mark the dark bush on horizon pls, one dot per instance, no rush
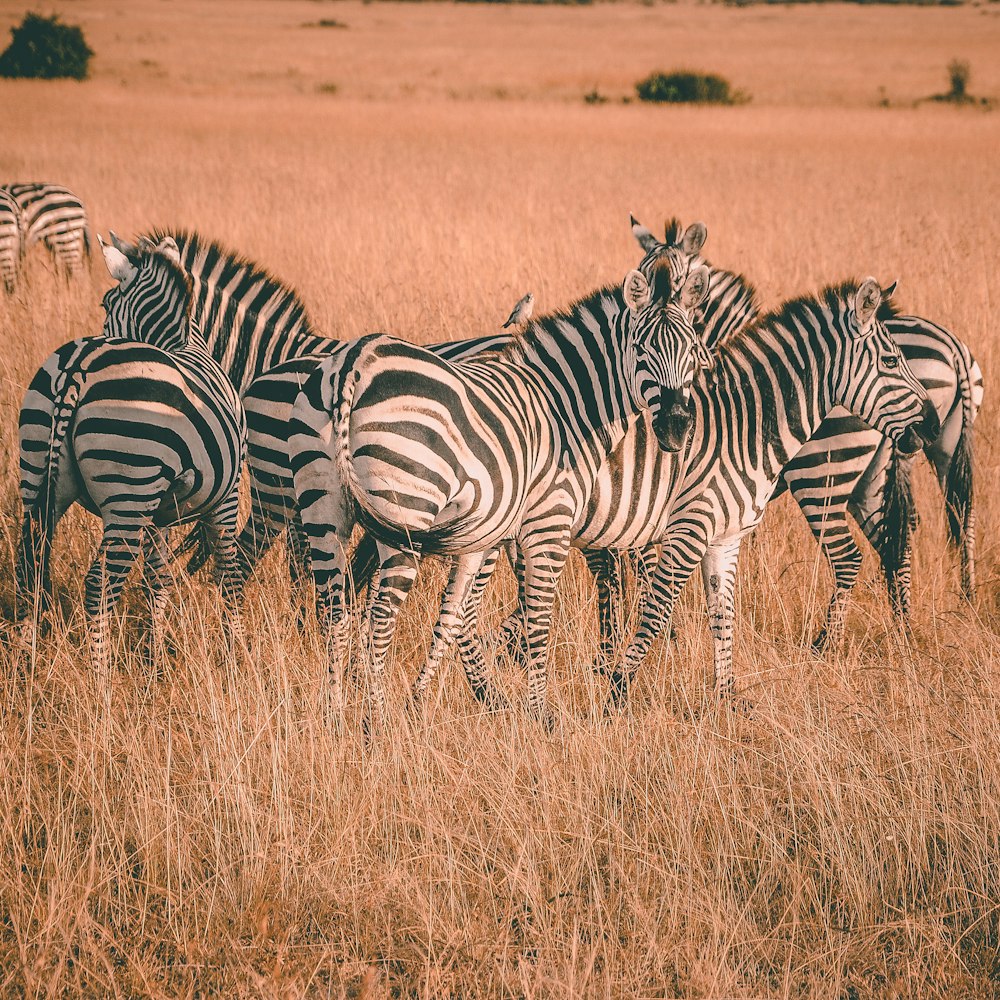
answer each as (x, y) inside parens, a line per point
(686, 87)
(45, 49)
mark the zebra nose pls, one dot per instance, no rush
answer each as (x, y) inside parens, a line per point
(672, 401)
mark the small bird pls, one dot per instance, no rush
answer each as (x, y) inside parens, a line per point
(522, 311)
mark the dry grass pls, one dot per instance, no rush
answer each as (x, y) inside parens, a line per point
(210, 835)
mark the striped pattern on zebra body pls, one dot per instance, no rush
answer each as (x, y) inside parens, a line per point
(10, 240)
(772, 385)
(146, 431)
(269, 400)
(843, 468)
(454, 459)
(53, 215)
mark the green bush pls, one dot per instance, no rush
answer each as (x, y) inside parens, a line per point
(45, 49)
(684, 87)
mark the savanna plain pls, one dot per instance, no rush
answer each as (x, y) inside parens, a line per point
(206, 832)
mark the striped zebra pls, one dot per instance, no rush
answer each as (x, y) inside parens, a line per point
(454, 459)
(845, 468)
(10, 240)
(53, 215)
(147, 432)
(772, 385)
(269, 400)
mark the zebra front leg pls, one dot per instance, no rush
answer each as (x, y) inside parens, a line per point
(397, 572)
(718, 572)
(510, 636)
(470, 647)
(544, 558)
(221, 527)
(606, 565)
(464, 573)
(678, 557)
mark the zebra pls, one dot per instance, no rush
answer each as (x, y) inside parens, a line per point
(269, 400)
(147, 431)
(53, 215)
(10, 240)
(434, 457)
(771, 386)
(848, 468)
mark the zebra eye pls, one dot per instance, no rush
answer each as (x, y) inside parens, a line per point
(890, 361)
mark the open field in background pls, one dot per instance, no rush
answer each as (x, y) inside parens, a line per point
(210, 835)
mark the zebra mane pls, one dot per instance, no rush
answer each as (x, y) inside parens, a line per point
(237, 274)
(182, 282)
(832, 297)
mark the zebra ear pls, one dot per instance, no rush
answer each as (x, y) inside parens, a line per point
(694, 238)
(637, 291)
(867, 299)
(695, 287)
(119, 266)
(168, 247)
(887, 293)
(644, 237)
(129, 249)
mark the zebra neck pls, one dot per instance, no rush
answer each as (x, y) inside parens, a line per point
(579, 370)
(731, 306)
(779, 386)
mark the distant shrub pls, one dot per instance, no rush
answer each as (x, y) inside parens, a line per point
(326, 88)
(595, 97)
(325, 22)
(43, 48)
(958, 75)
(685, 87)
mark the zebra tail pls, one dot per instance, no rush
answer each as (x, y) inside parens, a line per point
(363, 564)
(958, 501)
(342, 433)
(899, 518)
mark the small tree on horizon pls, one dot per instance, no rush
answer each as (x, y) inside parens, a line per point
(44, 48)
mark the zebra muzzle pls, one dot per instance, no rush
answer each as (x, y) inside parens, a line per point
(921, 432)
(672, 421)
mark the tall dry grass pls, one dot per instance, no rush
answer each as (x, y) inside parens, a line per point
(206, 832)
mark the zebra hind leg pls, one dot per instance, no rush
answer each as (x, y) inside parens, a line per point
(220, 525)
(158, 582)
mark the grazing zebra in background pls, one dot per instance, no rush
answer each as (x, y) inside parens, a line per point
(845, 466)
(53, 215)
(454, 459)
(10, 240)
(147, 432)
(772, 385)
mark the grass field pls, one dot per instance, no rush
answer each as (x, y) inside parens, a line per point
(209, 835)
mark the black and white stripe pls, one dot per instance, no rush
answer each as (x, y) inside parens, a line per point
(147, 432)
(53, 215)
(454, 459)
(10, 240)
(772, 385)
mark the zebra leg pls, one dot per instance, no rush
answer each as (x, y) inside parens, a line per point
(464, 573)
(606, 565)
(34, 580)
(397, 572)
(116, 555)
(511, 635)
(718, 571)
(221, 526)
(470, 648)
(825, 511)
(678, 557)
(544, 558)
(157, 581)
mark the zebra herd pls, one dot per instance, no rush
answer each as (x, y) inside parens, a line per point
(656, 416)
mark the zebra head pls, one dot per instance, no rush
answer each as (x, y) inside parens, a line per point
(875, 382)
(152, 299)
(663, 352)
